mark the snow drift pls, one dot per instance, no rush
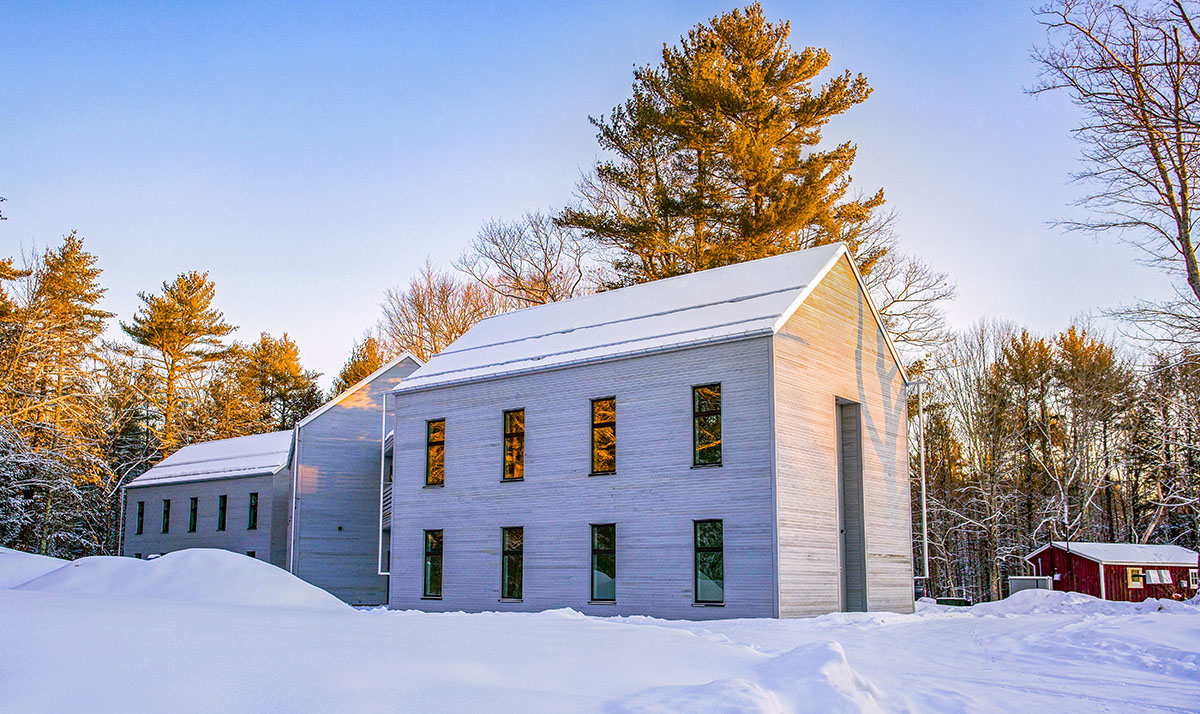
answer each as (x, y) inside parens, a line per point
(193, 575)
(17, 567)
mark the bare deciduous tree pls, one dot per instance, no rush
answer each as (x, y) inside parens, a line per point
(1134, 71)
(435, 309)
(530, 261)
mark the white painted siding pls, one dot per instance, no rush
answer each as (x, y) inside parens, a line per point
(653, 498)
(337, 462)
(832, 348)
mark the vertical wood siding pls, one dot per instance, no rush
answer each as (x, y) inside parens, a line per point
(832, 348)
(235, 537)
(653, 497)
(338, 466)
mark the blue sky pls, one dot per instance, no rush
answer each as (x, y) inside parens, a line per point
(310, 157)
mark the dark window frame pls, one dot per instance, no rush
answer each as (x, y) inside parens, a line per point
(603, 551)
(518, 469)
(222, 510)
(697, 549)
(166, 520)
(596, 427)
(430, 442)
(433, 553)
(193, 513)
(519, 555)
(252, 514)
(141, 517)
(697, 415)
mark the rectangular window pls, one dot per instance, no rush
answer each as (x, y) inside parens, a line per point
(512, 563)
(604, 562)
(253, 521)
(710, 561)
(1133, 577)
(138, 556)
(1157, 577)
(193, 507)
(514, 445)
(435, 452)
(141, 517)
(1194, 578)
(706, 425)
(433, 564)
(250, 553)
(166, 524)
(604, 435)
(222, 503)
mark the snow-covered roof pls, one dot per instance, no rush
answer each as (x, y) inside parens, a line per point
(1133, 553)
(255, 455)
(359, 385)
(734, 302)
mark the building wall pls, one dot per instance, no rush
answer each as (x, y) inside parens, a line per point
(1068, 572)
(1116, 583)
(833, 348)
(654, 496)
(236, 537)
(336, 527)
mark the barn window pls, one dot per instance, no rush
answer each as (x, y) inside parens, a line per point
(141, 517)
(1194, 578)
(604, 435)
(435, 452)
(514, 445)
(252, 523)
(706, 425)
(432, 587)
(193, 508)
(1158, 577)
(512, 563)
(604, 562)
(1133, 577)
(710, 562)
(166, 524)
(222, 503)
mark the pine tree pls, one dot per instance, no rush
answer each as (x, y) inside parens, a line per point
(366, 357)
(289, 391)
(183, 336)
(716, 156)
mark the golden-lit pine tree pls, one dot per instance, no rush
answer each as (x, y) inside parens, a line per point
(183, 335)
(366, 356)
(289, 391)
(716, 155)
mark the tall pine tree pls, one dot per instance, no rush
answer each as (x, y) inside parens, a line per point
(716, 156)
(183, 335)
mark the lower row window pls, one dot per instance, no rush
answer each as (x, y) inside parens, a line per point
(708, 571)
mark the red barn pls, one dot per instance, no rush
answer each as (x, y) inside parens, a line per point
(1119, 571)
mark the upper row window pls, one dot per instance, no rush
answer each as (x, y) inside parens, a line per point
(706, 437)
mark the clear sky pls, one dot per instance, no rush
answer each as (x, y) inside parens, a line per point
(309, 158)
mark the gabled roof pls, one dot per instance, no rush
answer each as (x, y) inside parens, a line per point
(257, 455)
(734, 302)
(1127, 553)
(359, 385)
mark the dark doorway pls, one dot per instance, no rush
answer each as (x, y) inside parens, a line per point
(850, 490)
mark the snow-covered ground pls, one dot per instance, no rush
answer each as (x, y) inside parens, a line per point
(209, 631)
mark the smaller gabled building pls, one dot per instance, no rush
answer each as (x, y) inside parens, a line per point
(217, 494)
(1119, 571)
(306, 499)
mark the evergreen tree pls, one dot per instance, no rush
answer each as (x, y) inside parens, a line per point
(289, 391)
(183, 336)
(233, 403)
(366, 357)
(716, 159)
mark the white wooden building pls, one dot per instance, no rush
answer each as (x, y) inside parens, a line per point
(730, 443)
